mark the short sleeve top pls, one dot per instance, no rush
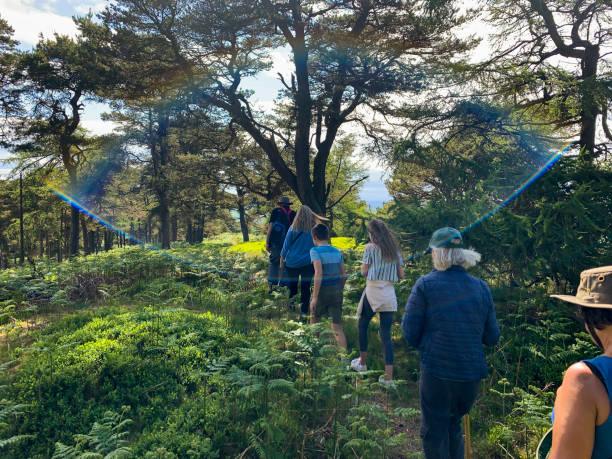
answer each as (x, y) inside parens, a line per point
(331, 263)
(379, 269)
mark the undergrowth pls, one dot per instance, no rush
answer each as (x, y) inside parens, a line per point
(133, 353)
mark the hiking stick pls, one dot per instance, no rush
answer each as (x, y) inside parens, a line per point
(466, 428)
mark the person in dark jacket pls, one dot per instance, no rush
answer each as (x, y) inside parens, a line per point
(278, 226)
(448, 317)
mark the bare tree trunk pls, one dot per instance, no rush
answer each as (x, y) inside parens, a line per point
(160, 160)
(86, 247)
(21, 235)
(244, 227)
(73, 249)
(174, 224)
(108, 240)
(60, 238)
(189, 234)
(589, 108)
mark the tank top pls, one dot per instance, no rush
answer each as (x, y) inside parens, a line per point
(602, 449)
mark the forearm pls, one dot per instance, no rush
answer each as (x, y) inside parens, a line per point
(316, 287)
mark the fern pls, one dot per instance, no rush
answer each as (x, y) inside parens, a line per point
(106, 440)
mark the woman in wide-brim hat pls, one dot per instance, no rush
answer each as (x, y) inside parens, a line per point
(582, 425)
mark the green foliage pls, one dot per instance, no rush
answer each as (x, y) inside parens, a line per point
(210, 367)
(106, 440)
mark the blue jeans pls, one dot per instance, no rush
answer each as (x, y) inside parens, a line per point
(443, 405)
(386, 320)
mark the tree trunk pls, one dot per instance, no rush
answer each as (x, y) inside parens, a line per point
(60, 237)
(86, 247)
(92, 241)
(189, 236)
(161, 182)
(108, 240)
(244, 227)
(21, 235)
(73, 249)
(199, 236)
(589, 108)
(174, 224)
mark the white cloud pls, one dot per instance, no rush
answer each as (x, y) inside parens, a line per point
(29, 21)
(100, 127)
(266, 106)
(85, 7)
(281, 63)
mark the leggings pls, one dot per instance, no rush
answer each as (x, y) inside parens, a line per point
(304, 275)
(386, 320)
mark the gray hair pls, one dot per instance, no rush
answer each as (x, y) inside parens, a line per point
(445, 257)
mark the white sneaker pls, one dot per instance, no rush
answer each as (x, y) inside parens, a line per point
(357, 366)
(386, 382)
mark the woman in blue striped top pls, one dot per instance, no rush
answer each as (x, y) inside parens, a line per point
(382, 266)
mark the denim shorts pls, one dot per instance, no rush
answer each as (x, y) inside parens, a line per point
(330, 302)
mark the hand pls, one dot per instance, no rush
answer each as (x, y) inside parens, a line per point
(313, 305)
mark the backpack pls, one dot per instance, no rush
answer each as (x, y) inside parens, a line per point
(279, 230)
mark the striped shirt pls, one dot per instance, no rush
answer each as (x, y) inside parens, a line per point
(379, 269)
(331, 264)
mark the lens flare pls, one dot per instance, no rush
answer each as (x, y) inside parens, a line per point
(550, 162)
(78, 205)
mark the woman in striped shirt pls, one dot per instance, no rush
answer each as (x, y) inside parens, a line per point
(382, 266)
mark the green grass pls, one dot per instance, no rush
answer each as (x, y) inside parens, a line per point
(259, 247)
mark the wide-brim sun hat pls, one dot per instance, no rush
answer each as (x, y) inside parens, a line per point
(285, 200)
(446, 237)
(595, 289)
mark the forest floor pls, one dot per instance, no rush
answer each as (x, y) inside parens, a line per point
(148, 319)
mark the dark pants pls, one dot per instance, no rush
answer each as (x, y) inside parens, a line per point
(274, 268)
(386, 320)
(304, 275)
(443, 404)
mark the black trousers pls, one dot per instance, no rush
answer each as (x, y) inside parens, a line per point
(443, 405)
(303, 275)
(274, 268)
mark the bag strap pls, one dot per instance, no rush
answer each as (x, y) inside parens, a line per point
(287, 213)
(297, 237)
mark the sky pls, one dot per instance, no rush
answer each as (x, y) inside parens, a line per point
(31, 18)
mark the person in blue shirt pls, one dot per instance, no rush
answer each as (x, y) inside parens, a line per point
(582, 425)
(448, 317)
(329, 280)
(295, 256)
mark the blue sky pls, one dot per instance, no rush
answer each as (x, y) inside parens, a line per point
(30, 18)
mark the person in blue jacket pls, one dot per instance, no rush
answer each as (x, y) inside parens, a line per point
(582, 425)
(448, 317)
(295, 260)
